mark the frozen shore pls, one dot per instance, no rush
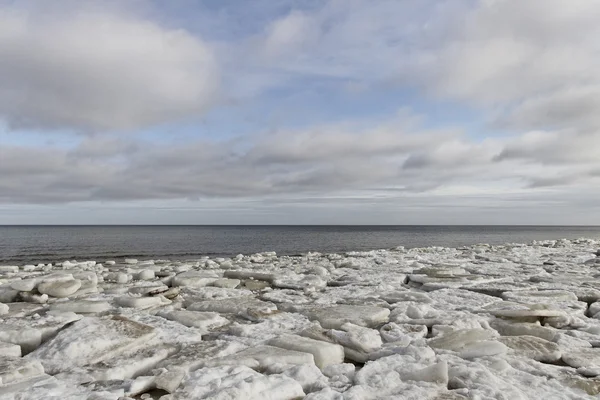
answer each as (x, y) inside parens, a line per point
(479, 322)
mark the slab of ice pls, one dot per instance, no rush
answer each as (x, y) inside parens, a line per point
(457, 340)
(9, 350)
(195, 279)
(238, 383)
(263, 356)
(170, 372)
(82, 306)
(141, 302)
(334, 317)
(589, 359)
(324, 353)
(308, 375)
(59, 288)
(249, 274)
(402, 333)
(508, 328)
(482, 349)
(533, 347)
(24, 285)
(91, 340)
(31, 332)
(17, 373)
(130, 364)
(227, 283)
(197, 319)
(239, 305)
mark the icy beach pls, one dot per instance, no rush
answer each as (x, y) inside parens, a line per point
(517, 321)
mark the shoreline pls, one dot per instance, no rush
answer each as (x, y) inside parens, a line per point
(513, 320)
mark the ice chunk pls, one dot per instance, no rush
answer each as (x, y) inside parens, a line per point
(171, 371)
(91, 340)
(9, 350)
(239, 305)
(227, 283)
(308, 375)
(141, 302)
(238, 383)
(334, 317)
(263, 356)
(357, 341)
(533, 347)
(436, 373)
(82, 306)
(402, 333)
(59, 288)
(24, 285)
(482, 349)
(17, 373)
(324, 353)
(145, 275)
(197, 319)
(130, 364)
(506, 328)
(325, 394)
(195, 279)
(457, 340)
(3, 308)
(584, 358)
(248, 274)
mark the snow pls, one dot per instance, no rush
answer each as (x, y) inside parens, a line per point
(517, 321)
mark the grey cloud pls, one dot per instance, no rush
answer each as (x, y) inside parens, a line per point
(107, 168)
(91, 70)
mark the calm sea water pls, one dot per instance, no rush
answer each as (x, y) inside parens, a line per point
(33, 244)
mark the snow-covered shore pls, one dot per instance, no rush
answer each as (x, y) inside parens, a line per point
(479, 322)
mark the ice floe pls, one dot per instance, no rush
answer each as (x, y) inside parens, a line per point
(517, 321)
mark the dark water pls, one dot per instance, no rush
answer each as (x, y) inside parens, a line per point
(33, 244)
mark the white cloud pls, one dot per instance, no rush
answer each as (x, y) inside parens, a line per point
(94, 71)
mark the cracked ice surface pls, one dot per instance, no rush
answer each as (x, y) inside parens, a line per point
(518, 321)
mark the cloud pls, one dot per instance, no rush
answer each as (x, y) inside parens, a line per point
(91, 70)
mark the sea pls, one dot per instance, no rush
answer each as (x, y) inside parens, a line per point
(44, 244)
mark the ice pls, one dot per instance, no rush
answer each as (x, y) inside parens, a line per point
(195, 279)
(483, 348)
(9, 350)
(507, 328)
(586, 359)
(484, 322)
(227, 283)
(91, 340)
(239, 382)
(309, 376)
(334, 317)
(141, 302)
(57, 288)
(402, 333)
(197, 319)
(82, 306)
(533, 347)
(17, 373)
(457, 340)
(24, 285)
(171, 371)
(324, 353)
(240, 305)
(263, 356)
(130, 364)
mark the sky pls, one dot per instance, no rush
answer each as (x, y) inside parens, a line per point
(300, 112)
